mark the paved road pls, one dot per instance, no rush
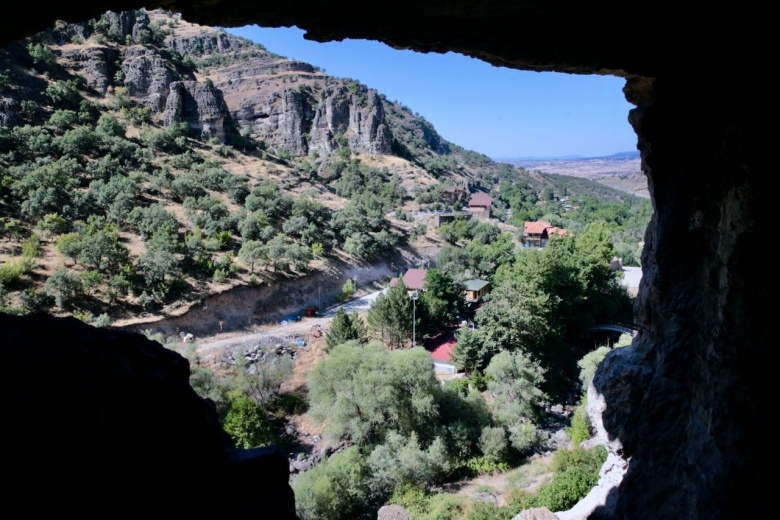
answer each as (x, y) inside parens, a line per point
(631, 277)
(360, 304)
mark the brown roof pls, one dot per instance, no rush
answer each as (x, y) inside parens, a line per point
(480, 199)
(538, 228)
(413, 279)
(535, 228)
(557, 231)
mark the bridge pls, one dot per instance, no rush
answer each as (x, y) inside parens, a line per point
(616, 327)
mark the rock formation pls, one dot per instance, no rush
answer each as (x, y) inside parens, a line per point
(96, 63)
(684, 406)
(105, 420)
(147, 77)
(199, 105)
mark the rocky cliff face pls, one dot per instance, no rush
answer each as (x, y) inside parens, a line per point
(96, 64)
(199, 105)
(290, 105)
(148, 77)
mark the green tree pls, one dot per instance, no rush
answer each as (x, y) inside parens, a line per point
(252, 252)
(43, 57)
(336, 489)
(515, 383)
(580, 428)
(589, 363)
(65, 287)
(345, 328)
(519, 317)
(402, 460)
(247, 423)
(265, 379)
(159, 261)
(440, 303)
(365, 390)
(390, 316)
(49, 188)
(471, 352)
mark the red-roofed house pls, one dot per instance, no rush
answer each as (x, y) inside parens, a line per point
(441, 352)
(536, 234)
(480, 204)
(414, 279)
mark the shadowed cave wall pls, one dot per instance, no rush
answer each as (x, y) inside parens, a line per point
(683, 406)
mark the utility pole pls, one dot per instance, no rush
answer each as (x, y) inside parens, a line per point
(414, 296)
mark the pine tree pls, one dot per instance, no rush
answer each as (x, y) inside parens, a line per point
(345, 327)
(390, 316)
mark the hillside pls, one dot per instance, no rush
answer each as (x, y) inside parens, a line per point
(149, 164)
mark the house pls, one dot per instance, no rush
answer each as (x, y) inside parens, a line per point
(414, 279)
(475, 289)
(480, 204)
(441, 352)
(536, 234)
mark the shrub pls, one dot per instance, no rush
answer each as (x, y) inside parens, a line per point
(335, 488)
(247, 423)
(12, 270)
(580, 428)
(104, 320)
(576, 472)
(65, 287)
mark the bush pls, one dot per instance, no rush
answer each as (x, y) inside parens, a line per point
(12, 270)
(335, 488)
(580, 428)
(104, 320)
(576, 472)
(247, 423)
(65, 287)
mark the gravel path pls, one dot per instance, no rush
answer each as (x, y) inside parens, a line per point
(285, 332)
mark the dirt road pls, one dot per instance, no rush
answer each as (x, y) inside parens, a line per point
(284, 332)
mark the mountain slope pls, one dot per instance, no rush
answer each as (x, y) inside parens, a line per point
(148, 163)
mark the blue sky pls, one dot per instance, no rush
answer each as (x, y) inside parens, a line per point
(502, 113)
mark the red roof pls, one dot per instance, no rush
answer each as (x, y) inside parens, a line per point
(558, 231)
(440, 347)
(536, 228)
(480, 199)
(413, 279)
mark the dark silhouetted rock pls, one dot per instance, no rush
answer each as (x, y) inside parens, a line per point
(104, 423)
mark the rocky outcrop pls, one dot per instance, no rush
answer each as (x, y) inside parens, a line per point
(359, 118)
(205, 42)
(95, 63)
(291, 120)
(62, 33)
(199, 105)
(147, 76)
(125, 23)
(263, 67)
(393, 512)
(105, 418)
(9, 112)
(372, 134)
